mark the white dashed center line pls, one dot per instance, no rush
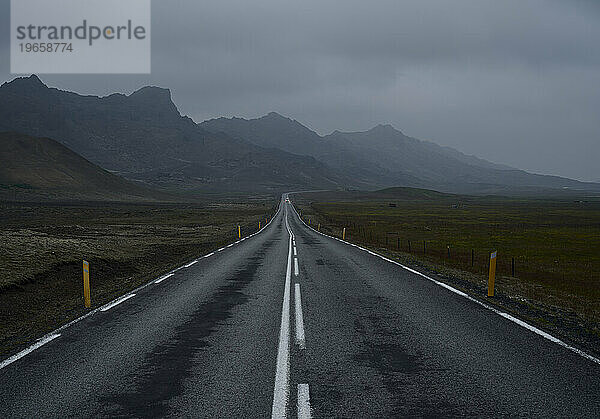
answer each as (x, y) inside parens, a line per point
(303, 402)
(296, 266)
(282, 372)
(300, 339)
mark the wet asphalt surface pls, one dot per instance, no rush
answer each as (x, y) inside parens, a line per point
(380, 342)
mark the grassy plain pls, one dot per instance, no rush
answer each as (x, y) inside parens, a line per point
(42, 246)
(555, 243)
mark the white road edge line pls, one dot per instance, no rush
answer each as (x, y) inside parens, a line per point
(300, 338)
(119, 301)
(282, 372)
(161, 279)
(209, 255)
(303, 403)
(190, 264)
(27, 351)
(55, 333)
(468, 297)
(296, 266)
(295, 252)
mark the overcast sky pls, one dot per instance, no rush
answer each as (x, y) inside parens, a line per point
(512, 81)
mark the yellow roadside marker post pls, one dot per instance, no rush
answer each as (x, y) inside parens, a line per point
(344, 234)
(86, 284)
(239, 232)
(492, 277)
(319, 228)
(259, 225)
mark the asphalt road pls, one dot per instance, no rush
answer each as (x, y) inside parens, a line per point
(293, 323)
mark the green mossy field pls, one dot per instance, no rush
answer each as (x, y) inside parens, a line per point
(555, 243)
(42, 247)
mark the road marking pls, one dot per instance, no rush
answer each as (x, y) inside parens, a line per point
(209, 255)
(158, 281)
(190, 264)
(282, 372)
(221, 249)
(296, 266)
(119, 301)
(229, 245)
(467, 296)
(303, 402)
(295, 252)
(32, 348)
(300, 339)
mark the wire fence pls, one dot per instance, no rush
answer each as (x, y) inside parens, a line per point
(442, 251)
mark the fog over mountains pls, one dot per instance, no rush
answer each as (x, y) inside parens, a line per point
(383, 157)
(143, 137)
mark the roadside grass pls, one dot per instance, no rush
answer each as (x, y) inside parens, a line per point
(555, 244)
(42, 247)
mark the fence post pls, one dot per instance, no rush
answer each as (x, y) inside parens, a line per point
(448, 251)
(239, 232)
(344, 234)
(492, 277)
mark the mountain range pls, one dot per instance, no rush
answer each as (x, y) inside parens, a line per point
(143, 137)
(384, 157)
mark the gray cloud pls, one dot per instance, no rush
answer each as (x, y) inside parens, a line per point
(511, 81)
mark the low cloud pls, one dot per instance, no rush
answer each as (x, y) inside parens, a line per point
(514, 82)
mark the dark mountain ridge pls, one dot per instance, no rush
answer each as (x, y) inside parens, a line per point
(384, 157)
(143, 136)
